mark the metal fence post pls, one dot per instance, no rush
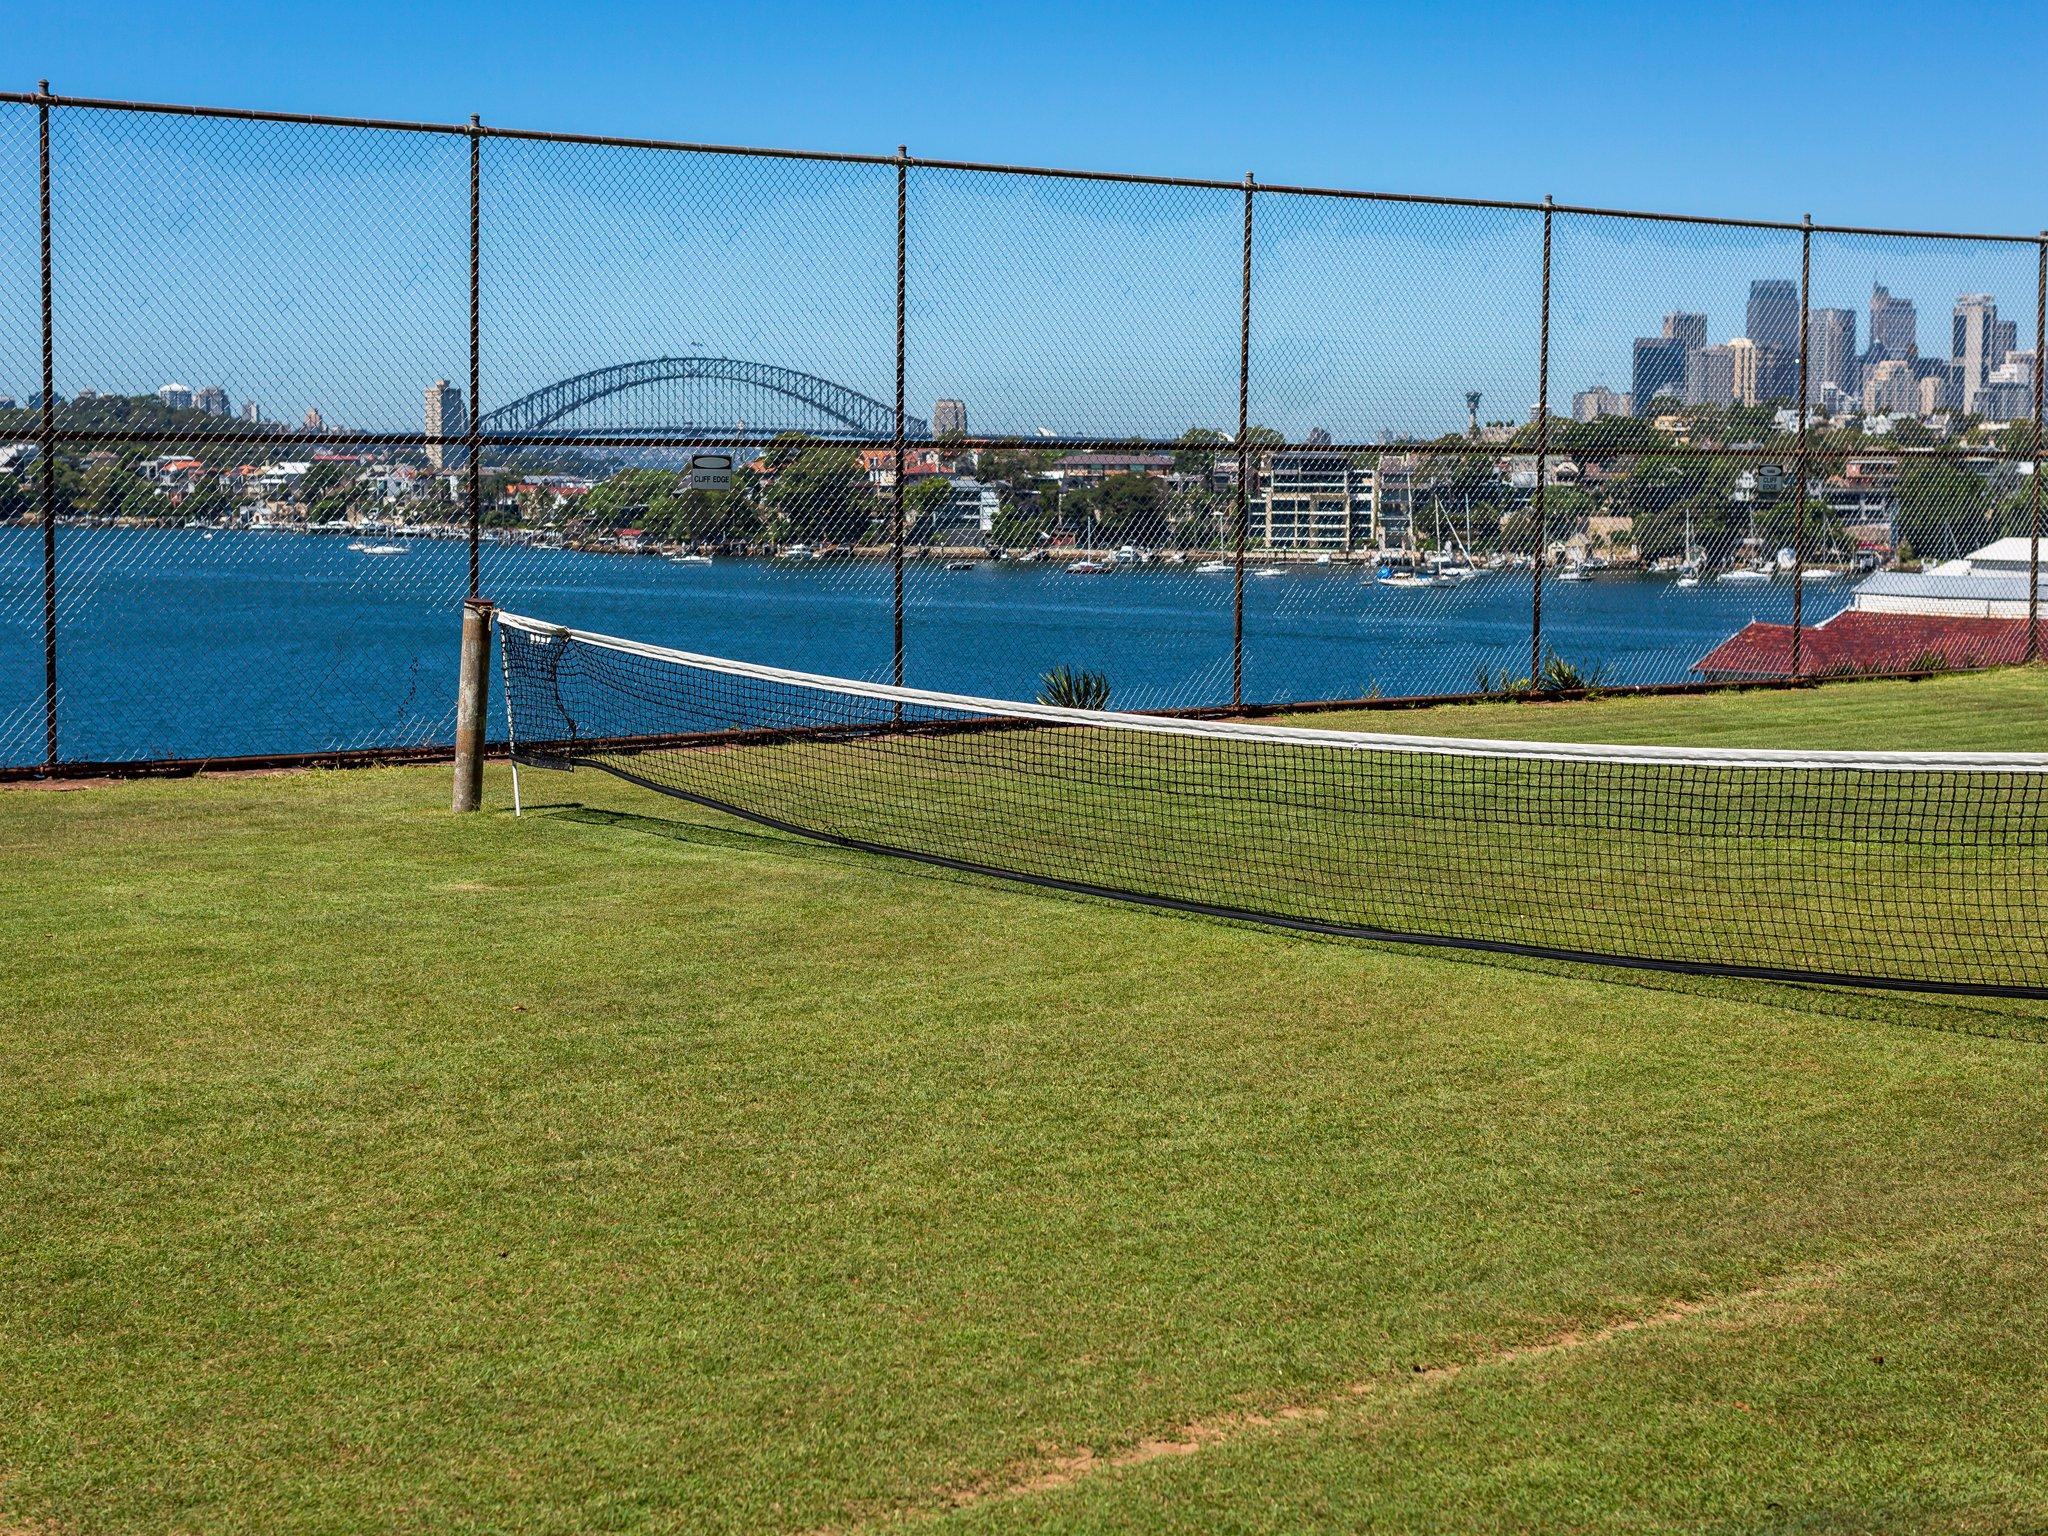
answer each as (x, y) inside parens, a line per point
(2034, 542)
(47, 449)
(896, 480)
(1800, 463)
(471, 445)
(1244, 462)
(1541, 534)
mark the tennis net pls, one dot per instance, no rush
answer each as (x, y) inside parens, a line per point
(1924, 871)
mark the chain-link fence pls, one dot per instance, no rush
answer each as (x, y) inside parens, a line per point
(277, 391)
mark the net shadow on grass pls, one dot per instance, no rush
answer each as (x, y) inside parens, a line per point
(2023, 1021)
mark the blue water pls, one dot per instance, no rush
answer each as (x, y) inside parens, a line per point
(173, 644)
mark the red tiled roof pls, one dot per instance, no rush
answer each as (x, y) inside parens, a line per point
(1857, 641)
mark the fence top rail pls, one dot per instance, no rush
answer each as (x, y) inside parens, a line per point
(474, 129)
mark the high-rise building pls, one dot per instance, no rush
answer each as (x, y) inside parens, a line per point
(251, 411)
(1683, 325)
(1890, 389)
(1774, 315)
(1745, 361)
(175, 397)
(213, 400)
(1894, 326)
(1973, 333)
(2005, 340)
(1831, 350)
(313, 421)
(1660, 365)
(1710, 375)
(446, 418)
(949, 418)
(1592, 404)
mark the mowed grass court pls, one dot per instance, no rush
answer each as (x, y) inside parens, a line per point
(623, 1167)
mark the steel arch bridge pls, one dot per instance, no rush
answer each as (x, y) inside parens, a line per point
(704, 395)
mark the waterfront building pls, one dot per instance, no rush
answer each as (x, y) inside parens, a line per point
(966, 516)
(1314, 500)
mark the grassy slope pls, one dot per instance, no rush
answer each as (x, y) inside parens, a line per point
(366, 1169)
(2001, 711)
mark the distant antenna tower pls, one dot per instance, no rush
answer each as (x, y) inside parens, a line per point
(1472, 413)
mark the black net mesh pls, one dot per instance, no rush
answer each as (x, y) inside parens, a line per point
(1893, 871)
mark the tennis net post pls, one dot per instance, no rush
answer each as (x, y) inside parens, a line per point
(472, 696)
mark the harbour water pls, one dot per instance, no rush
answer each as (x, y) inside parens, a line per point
(181, 643)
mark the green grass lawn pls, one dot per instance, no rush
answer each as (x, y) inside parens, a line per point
(621, 1168)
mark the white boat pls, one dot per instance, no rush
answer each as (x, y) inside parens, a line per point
(1819, 573)
(1128, 555)
(1322, 559)
(797, 552)
(1267, 570)
(1572, 573)
(689, 559)
(1687, 580)
(1403, 579)
(1744, 573)
(1088, 568)
(381, 549)
(1213, 567)
(1177, 557)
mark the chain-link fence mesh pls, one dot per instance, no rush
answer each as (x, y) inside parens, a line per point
(959, 426)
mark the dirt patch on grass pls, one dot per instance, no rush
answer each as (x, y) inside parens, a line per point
(1056, 1468)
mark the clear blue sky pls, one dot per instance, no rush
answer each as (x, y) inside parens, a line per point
(1877, 112)
(338, 281)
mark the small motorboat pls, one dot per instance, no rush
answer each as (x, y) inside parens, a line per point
(959, 565)
(1089, 568)
(689, 559)
(1213, 568)
(1268, 570)
(1744, 573)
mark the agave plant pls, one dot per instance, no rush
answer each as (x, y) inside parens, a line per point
(1068, 688)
